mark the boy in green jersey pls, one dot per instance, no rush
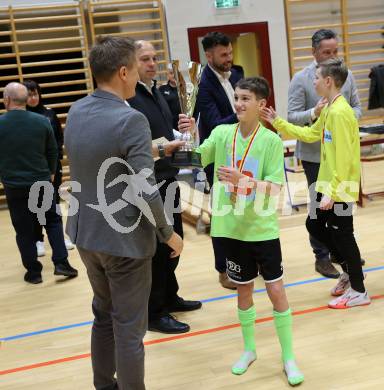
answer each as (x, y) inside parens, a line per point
(249, 172)
(337, 184)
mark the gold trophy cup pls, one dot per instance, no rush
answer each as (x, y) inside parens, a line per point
(186, 156)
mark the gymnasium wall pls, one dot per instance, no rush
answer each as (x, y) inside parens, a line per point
(182, 14)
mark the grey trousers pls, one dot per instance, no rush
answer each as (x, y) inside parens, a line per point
(121, 287)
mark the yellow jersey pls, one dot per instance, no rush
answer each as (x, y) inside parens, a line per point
(338, 130)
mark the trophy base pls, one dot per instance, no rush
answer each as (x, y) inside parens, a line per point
(186, 159)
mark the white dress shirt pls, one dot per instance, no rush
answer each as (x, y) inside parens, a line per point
(225, 83)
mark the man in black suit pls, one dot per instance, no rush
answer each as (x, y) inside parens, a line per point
(148, 100)
(215, 105)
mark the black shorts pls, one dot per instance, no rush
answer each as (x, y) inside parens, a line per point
(245, 260)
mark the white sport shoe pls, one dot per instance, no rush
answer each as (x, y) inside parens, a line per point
(40, 248)
(69, 244)
(349, 299)
(342, 285)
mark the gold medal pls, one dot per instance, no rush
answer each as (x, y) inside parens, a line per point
(233, 197)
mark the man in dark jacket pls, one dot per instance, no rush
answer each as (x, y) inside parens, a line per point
(148, 100)
(215, 105)
(28, 154)
(215, 100)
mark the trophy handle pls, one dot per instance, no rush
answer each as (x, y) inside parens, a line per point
(180, 86)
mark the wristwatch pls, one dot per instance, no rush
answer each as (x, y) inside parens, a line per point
(160, 148)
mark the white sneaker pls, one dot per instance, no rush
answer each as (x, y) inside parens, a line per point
(40, 248)
(69, 244)
(342, 285)
(349, 299)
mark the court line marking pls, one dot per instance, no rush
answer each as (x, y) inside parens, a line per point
(220, 298)
(165, 339)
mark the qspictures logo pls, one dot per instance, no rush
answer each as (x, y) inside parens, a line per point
(138, 192)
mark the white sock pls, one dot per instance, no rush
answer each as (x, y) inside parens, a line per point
(293, 373)
(241, 366)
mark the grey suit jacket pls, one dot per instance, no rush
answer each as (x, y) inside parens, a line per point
(302, 98)
(101, 126)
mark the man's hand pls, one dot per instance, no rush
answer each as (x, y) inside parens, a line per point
(186, 124)
(52, 178)
(176, 243)
(172, 146)
(326, 203)
(268, 114)
(319, 106)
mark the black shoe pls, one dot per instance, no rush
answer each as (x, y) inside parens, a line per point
(33, 278)
(168, 324)
(182, 305)
(327, 269)
(335, 260)
(65, 269)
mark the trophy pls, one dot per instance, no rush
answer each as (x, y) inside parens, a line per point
(186, 156)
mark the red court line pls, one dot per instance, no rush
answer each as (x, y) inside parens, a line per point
(165, 339)
(43, 364)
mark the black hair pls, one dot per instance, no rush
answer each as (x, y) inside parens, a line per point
(33, 86)
(320, 35)
(257, 85)
(213, 39)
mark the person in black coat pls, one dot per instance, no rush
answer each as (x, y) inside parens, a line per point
(376, 89)
(35, 104)
(163, 298)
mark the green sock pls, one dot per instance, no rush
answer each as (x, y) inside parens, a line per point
(283, 325)
(247, 321)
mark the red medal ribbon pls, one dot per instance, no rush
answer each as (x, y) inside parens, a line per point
(242, 162)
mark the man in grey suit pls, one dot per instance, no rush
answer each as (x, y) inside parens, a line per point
(120, 212)
(304, 107)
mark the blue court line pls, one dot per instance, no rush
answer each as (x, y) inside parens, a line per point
(49, 330)
(223, 297)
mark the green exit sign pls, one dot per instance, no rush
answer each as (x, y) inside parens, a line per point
(226, 3)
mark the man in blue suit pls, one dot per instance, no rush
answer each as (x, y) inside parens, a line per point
(215, 105)
(215, 100)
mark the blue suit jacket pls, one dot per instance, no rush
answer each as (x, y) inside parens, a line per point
(212, 101)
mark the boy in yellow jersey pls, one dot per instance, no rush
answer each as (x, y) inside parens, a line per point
(249, 171)
(337, 185)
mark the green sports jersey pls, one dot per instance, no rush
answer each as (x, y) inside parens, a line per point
(254, 217)
(338, 130)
